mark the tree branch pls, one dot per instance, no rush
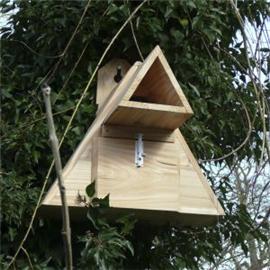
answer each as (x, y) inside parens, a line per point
(66, 232)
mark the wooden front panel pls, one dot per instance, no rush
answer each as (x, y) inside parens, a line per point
(153, 186)
(140, 114)
(130, 132)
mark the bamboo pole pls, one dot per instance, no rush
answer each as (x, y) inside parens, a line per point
(66, 231)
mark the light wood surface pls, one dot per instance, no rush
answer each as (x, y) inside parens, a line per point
(105, 111)
(156, 82)
(142, 114)
(130, 132)
(156, 87)
(132, 187)
(106, 82)
(189, 166)
(170, 179)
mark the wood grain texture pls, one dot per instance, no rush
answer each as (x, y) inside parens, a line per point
(105, 80)
(190, 170)
(171, 180)
(160, 116)
(156, 83)
(174, 82)
(109, 106)
(156, 87)
(130, 132)
(132, 187)
(76, 181)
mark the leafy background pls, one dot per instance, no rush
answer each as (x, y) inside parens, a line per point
(199, 39)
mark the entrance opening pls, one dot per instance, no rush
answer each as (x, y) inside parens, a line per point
(156, 87)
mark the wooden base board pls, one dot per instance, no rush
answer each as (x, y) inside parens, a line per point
(152, 217)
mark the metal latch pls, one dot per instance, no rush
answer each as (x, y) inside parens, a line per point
(139, 153)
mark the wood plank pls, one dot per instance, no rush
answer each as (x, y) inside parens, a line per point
(94, 163)
(137, 194)
(200, 210)
(195, 174)
(105, 78)
(148, 115)
(50, 194)
(130, 132)
(196, 206)
(152, 106)
(151, 186)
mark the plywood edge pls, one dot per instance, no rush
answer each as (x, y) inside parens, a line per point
(198, 211)
(202, 178)
(152, 106)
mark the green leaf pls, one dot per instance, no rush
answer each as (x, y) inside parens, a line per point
(184, 22)
(105, 202)
(91, 189)
(194, 88)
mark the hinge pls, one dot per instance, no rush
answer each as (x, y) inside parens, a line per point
(139, 153)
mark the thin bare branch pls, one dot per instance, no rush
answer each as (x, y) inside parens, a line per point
(66, 231)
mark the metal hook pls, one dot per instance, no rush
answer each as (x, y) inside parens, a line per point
(118, 77)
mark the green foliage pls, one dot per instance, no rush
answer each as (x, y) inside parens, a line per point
(105, 245)
(196, 37)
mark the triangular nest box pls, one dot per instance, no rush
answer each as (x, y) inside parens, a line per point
(134, 150)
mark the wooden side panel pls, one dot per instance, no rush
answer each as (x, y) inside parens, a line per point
(195, 194)
(148, 115)
(149, 187)
(94, 159)
(75, 181)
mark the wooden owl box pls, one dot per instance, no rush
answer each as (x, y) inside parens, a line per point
(135, 152)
